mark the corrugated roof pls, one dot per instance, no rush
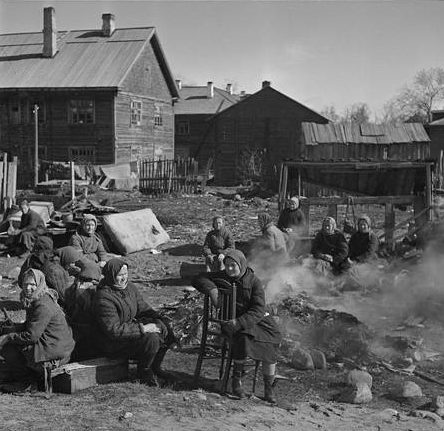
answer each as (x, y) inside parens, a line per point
(349, 133)
(194, 100)
(85, 58)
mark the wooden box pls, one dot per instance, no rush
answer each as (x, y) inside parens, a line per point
(76, 376)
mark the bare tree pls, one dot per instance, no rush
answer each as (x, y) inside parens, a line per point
(415, 101)
(355, 113)
(330, 113)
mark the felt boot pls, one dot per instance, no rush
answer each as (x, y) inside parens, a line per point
(237, 387)
(156, 366)
(268, 389)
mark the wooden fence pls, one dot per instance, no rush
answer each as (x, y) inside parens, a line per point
(8, 181)
(163, 176)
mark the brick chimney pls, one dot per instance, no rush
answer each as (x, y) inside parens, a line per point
(229, 88)
(266, 84)
(108, 24)
(179, 84)
(210, 90)
(49, 33)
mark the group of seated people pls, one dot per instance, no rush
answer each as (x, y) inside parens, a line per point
(78, 306)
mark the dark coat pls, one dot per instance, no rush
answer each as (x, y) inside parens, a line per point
(32, 222)
(45, 328)
(119, 315)
(251, 316)
(334, 245)
(91, 246)
(291, 219)
(217, 242)
(363, 246)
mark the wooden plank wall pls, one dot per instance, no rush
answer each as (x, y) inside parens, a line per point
(8, 181)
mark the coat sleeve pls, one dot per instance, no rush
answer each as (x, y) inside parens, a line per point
(206, 246)
(108, 319)
(256, 308)
(316, 246)
(341, 249)
(34, 221)
(76, 242)
(36, 323)
(101, 252)
(228, 242)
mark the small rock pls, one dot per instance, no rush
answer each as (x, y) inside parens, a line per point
(437, 402)
(360, 394)
(318, 359)
(358, 376)
(189, 289)
(388, 415)
(408, 389)
(425, 414)
(201, 397)
(237, 197)
(126, 415)
(301, 359)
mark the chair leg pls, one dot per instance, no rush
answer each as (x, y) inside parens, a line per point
(203, 343)
(227, 369)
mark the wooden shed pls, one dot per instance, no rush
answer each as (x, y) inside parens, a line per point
(408, 141)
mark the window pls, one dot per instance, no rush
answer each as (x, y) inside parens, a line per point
(158, 121)
(41, 111)
(15, 112)
(136, 113)
(183, 128)
(81, 111)
(82, 154)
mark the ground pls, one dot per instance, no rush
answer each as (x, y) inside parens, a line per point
(305, 402)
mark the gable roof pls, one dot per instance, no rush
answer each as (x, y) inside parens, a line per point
(194, 100)
(352, 133)
(85, 59)
(269, 88)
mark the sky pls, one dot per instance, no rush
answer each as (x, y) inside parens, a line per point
(320, 53)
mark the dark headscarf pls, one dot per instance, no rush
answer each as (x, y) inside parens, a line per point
(68, 255)
(110, 271)
(43, 249)
(239, 258)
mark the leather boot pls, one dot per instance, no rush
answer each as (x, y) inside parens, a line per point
(268, 389)
(237, 387)
(156, 366)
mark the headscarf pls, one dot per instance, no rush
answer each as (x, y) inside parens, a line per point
(366, 218)
(43, 249)
(110, 271)
(331, 220)
(42, 288)
(87, 218)
(296, 201)
(264, 220)
(68, 255)
(239, 258)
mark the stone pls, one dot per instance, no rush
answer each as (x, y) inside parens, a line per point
(301, 359)
(425, 414)
(407, 389)
(359, 376)
(388, 415)
(359, 394)
(319, 360)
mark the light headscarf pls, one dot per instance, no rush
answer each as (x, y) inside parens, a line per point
(42, 288)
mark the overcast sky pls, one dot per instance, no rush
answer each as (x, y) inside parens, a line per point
(317, 52)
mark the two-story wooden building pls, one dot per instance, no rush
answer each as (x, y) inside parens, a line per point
(102, 96)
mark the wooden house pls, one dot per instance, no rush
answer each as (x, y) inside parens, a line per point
(436, 131)
(263, 129)
(101, 96)
(365, 142)
(196, 106)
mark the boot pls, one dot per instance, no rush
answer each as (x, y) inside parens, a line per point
(268, 389)
(237, 387)
(156, 366)
(147, 376)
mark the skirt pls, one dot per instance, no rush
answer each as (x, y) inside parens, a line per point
(245, 346)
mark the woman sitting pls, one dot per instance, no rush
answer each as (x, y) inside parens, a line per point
(272, 240)
(126, 325)
(330, 248)
(253, 333)
(364, 243)
(216, 244)
(45, 335)
(87, 241)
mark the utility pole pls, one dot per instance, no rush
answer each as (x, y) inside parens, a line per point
(36, 144)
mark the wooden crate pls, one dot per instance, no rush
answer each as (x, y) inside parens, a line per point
(76, 376)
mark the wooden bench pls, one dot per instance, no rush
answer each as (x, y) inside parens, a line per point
(76, 376)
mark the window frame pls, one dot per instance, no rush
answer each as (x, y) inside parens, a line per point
(136, 112)
(78, 100)
(183, 128)
(82, 158)
(158, 116)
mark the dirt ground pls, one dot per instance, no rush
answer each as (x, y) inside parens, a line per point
(305, 402)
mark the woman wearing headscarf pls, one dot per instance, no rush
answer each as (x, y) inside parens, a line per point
(291, 218)
(42, 258)
(330, 246)
(272, 240)
(44, 336)
(86, 240)
(126, 325)
(364, 243)
(253, 333)
(216, 244)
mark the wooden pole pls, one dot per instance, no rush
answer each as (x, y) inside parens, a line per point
(36, 144)
(73, 182)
